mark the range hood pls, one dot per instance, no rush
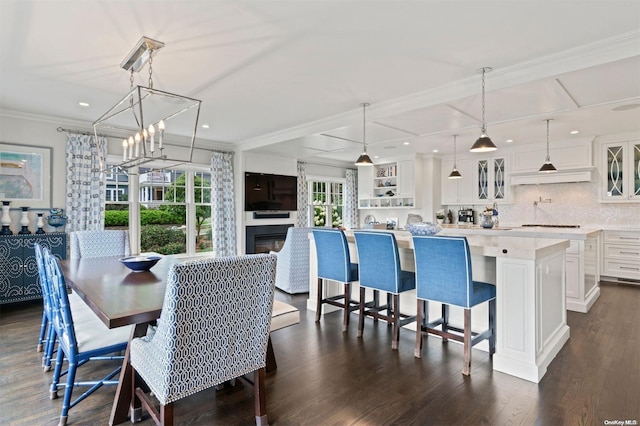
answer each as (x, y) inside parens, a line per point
(583, 174)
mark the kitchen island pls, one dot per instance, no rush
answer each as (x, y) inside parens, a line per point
(582, 266)
(529, 274)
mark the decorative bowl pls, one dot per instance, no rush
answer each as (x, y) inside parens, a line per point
(140, 263)
(423, 228)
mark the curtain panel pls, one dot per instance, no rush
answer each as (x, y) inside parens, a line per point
(85, 184)
(303, 196)
(350, 213)
(223, 218)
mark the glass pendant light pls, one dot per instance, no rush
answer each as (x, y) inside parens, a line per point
(484, 143)
(364, 159)
(455, 174)
(547, 167)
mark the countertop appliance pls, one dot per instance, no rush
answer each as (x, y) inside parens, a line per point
(466, 216)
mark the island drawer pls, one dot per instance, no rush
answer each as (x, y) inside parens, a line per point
(623, 237)
(620, 251)
(622, 269)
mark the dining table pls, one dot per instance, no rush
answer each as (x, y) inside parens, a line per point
(120, 297)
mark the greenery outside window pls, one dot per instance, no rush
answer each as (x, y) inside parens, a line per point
(326, 202)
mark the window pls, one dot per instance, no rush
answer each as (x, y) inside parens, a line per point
(172, 221)
(326, 202)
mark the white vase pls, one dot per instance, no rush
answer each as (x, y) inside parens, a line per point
(24, 222)
(40, 224)
(6, 218)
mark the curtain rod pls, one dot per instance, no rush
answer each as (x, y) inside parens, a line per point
(83, 132)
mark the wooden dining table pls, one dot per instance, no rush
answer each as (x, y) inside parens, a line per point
(120, 297)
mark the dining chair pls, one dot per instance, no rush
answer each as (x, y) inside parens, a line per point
(231, 298)
(444, 275)
(292, 270)
(334, 263)
(78, 343)
(99, 243)
(380, 270)
(47, 338)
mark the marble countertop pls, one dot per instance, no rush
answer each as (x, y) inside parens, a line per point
(495, 245)
(528, 232)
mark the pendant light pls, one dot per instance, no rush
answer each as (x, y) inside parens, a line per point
(547, 167)
(364, 159)
(484, 143)
(455, 174)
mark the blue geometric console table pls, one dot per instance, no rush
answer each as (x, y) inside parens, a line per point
(19, 278)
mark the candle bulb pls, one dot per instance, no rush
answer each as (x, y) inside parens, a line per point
(152, 132)
(125, 146)
(161, 127)
(137, 145)
(145, 136)
(131, 147)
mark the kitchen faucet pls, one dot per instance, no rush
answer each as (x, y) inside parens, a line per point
(546, 200)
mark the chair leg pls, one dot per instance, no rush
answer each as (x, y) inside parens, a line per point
(53, 392)
(166, 414)
(66, 404)
(396, 315)
(390, 307)
(259, 398)
(376, 302)
(43, 332)
(492, 326)
(319, 300)
(347, 305)
(466, 367)
(361, 312)
(417, 352)
(445, 321)
(48, 349)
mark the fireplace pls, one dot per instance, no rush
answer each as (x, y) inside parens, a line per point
(265, 238)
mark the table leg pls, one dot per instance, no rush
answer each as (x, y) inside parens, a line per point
(122, 400)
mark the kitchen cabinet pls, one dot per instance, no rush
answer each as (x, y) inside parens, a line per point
(582, 274)
(621, 256)
(388, 185)
(490, 180)
(19, 279)
(458, 191)
(620, 162)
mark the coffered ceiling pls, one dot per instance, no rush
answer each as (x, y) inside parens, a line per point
(287, 77)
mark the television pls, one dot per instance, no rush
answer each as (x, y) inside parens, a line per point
(270, 192)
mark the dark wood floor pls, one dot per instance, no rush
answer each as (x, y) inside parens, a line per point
(325, 377)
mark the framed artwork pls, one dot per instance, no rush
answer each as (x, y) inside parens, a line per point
(25, 175)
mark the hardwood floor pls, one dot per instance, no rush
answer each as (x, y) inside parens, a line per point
(326, 377)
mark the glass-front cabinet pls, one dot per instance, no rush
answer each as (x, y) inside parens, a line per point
(490, 180)
(621, 171)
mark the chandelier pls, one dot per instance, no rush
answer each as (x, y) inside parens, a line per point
(143, 116)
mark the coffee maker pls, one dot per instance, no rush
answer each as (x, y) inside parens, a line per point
(467, 216)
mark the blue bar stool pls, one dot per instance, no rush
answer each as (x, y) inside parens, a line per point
(443, 274)
(334, 263)
(380, 270)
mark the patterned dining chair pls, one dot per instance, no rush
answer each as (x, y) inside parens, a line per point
(334, 263)
(380, 270)
(231, 298)
(99, 243)
(79, 343)
(444, 275)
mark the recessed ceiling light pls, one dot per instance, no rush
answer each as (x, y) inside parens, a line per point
(435, 150)
(84, 104)
(205, 126)
(574, 132)
(509, 140)
(626, 107)
(376, 156)
(405, 143)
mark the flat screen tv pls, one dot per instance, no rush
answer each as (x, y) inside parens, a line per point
(270, 192)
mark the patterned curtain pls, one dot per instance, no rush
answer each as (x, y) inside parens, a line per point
(223, 217)
(85, 184)
(303, 196)
(350, 213)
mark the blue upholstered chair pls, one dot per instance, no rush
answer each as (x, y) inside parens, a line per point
(443, 274)
(99, 243)
(78, 343)
(334, 263)
(292, 271)
(213, 328)
(380, 270)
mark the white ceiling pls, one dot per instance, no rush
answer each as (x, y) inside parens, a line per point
(279, 76)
